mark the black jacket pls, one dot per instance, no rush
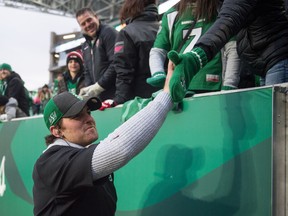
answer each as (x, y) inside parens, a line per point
(131, 56)
(261, 28)
(63, 184)
(99, 56)
(15, 88)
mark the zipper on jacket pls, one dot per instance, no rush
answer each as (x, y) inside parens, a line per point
(93, 65)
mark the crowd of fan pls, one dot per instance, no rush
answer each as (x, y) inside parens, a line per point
(209, 43)
(119, 66)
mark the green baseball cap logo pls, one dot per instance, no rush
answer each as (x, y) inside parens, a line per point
(67, 105)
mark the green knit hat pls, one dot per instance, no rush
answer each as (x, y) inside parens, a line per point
(5, 66)
(67, 105)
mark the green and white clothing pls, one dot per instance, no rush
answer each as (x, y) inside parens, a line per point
(170, 35)
(70, 84)
(3, 86)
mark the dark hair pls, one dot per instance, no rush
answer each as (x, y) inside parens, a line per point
(133, 8)
(45, 86)
(204, 9)
(49, 139)
(83, 11)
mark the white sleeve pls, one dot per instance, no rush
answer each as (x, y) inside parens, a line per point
(231, 65)
(131, 137)
(157, 60)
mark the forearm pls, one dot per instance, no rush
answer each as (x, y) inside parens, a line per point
(157, 60)
(231, 71)
(131, 137)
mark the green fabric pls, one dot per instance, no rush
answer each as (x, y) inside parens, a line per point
(174, 28)
(157, 80)
(209, 78)
(52, 114)
(72, 86)
(171, 33)
(131, 107)
(3, 86)
(55, 87)
(187, 65)
(257, 81)
(228, 88)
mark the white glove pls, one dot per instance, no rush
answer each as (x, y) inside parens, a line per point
(92, 90)
(3, 117)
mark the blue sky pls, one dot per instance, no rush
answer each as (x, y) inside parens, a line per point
(25, 42)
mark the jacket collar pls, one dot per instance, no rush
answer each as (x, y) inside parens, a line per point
(13, 75)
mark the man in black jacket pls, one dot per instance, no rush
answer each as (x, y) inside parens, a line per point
(262, 36)
(14, 87)
(98, 50)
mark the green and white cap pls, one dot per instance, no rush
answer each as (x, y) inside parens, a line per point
(65, 105)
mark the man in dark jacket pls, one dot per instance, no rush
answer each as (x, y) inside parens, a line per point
(14, 87)
(98, 49)
(262, 36)
(9, 109)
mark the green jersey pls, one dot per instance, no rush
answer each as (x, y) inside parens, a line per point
(170, 36)
(3, 86)
(72, 86)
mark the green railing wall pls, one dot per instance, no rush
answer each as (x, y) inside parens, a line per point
(212, 159)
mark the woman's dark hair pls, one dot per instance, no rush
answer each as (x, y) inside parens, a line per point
(133, 8)
(49, 139)
(204, 9)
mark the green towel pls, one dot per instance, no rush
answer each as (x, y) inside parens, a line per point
(131, 107)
